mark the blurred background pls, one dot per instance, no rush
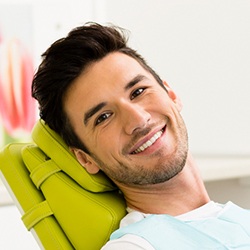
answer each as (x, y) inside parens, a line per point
(200, 47)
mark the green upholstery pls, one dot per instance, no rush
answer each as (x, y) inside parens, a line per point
(64, 206)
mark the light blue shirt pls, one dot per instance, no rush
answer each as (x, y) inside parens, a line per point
(230, 229)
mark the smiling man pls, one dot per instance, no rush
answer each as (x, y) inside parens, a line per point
(130, 113)
(119, 117)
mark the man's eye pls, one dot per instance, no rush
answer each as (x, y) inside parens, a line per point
(136, 93)
(102, 118)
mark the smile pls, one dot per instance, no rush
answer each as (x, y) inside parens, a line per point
(148, 143)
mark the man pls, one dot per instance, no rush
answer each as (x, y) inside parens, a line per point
(119, 117)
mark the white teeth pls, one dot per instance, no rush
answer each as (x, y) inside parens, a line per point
(148, 143)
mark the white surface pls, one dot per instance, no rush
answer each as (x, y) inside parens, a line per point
(13, 234)
(223, 167)
(5, 198)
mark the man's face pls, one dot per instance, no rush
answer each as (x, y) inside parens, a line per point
(130, 123)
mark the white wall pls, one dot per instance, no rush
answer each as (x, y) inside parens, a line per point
(54, 19)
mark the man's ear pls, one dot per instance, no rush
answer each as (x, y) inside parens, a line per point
(173, 96)
(85, 160)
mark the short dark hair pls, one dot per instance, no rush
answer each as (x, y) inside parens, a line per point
(65, 60)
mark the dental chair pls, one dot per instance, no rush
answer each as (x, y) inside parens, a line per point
(60, 203)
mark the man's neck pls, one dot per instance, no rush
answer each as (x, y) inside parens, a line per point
(181, 194)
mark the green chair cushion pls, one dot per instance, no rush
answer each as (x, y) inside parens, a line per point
(64, 206)
(54, 147)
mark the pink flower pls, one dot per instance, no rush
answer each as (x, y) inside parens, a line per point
(17, 107)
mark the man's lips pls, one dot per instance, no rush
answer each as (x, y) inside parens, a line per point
(147, 142)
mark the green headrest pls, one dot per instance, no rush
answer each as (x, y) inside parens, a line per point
(56, 149)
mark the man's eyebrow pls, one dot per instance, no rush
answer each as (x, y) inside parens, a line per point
(134, 81)
(93, 111)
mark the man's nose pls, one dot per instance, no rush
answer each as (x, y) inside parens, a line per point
(134, 117)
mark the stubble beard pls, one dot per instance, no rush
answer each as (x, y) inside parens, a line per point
(162, 171)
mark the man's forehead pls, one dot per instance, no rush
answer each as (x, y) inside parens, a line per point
(112, 63)
(115, 72)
